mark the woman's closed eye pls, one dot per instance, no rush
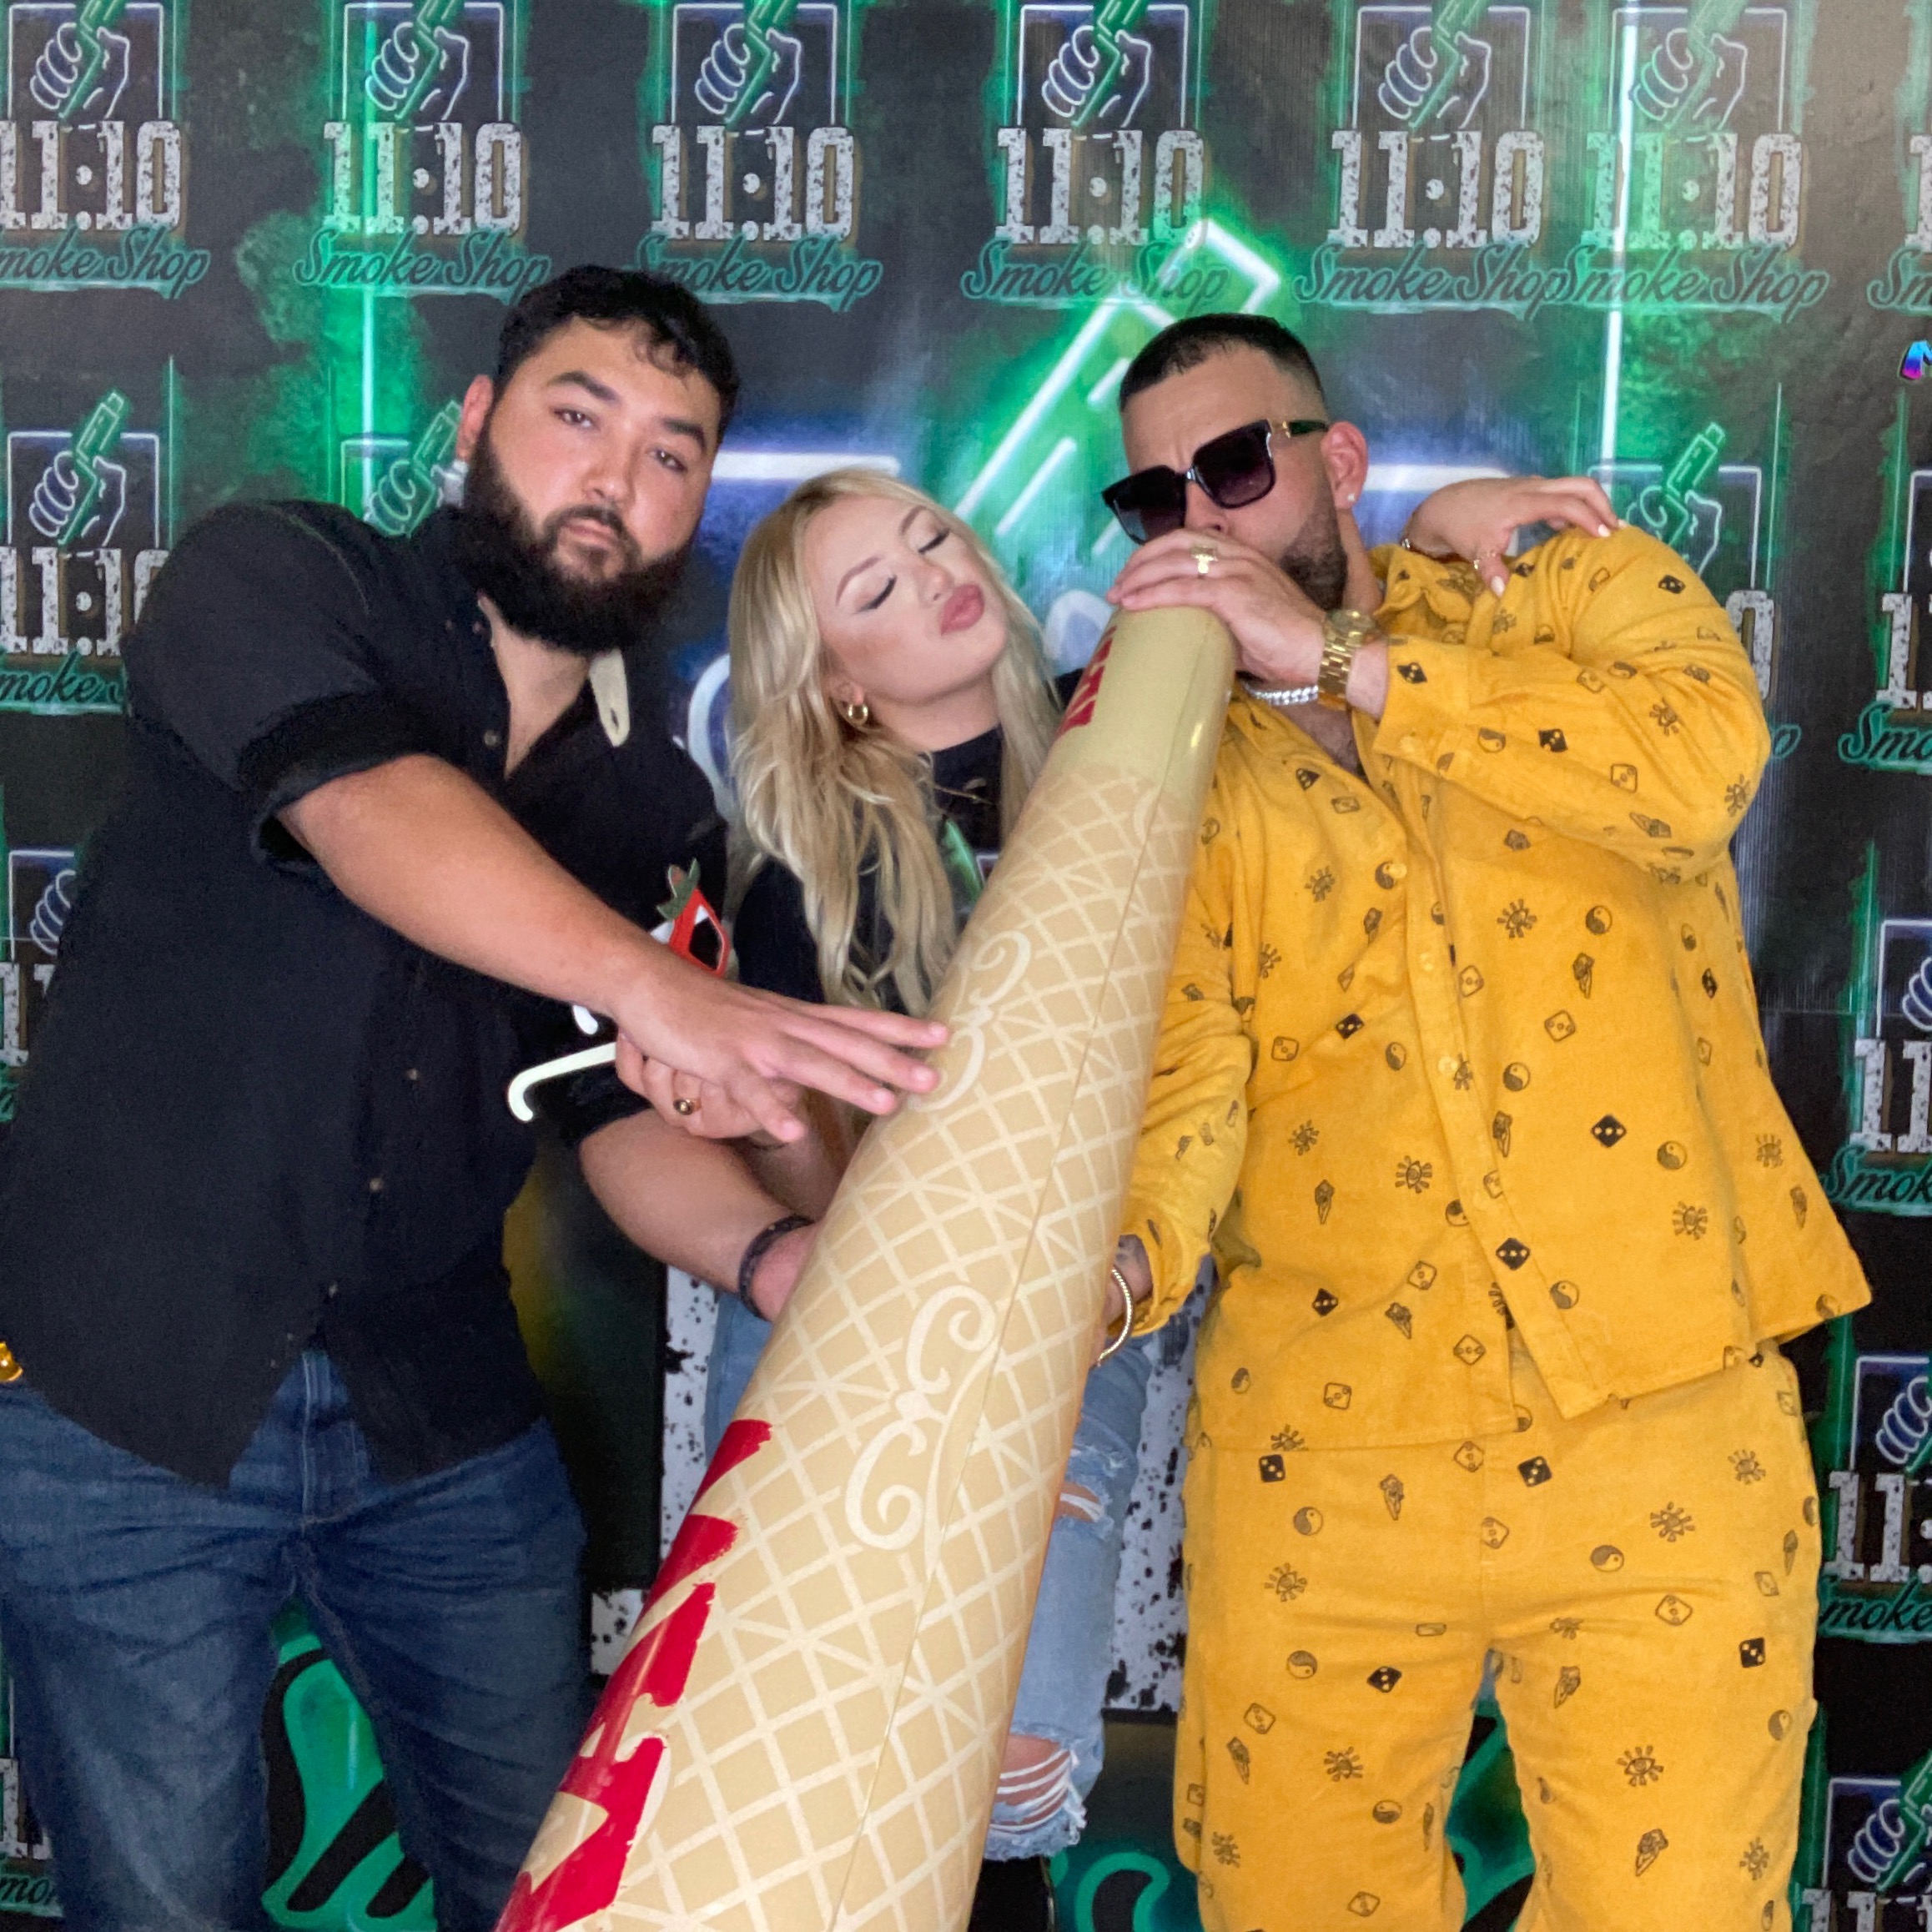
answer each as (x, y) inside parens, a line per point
(874, 603)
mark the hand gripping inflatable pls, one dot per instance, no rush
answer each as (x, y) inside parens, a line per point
(806, 1732)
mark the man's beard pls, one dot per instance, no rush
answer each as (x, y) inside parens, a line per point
(512, 562)
(1315, 561)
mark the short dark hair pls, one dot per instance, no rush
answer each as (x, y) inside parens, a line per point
(1184, 345)
(675, 317)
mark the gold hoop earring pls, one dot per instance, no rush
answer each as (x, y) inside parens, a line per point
(857, 715)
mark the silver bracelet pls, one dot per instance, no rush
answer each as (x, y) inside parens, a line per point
(1115, 1343)
(1281, 696)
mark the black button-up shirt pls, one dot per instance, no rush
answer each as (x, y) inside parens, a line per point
(255, 1117)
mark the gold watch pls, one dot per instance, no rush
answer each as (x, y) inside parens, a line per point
(1343, 633)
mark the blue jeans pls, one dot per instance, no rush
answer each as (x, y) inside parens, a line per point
(1069, 1653)
(135, 1610)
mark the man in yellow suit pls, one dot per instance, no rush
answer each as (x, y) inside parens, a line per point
(1460, 1076)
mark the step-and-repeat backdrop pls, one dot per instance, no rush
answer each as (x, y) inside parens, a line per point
(259, 250)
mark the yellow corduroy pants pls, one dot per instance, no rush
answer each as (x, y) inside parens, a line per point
(1642, 1582)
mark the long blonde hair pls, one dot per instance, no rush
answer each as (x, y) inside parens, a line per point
(829, 802)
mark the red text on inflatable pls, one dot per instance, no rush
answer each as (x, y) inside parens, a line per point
(617, 1772)
(1080, 705)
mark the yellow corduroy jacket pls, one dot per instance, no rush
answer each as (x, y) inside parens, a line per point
(1472, 1037)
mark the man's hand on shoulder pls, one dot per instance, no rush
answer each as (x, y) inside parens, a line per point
(1276, 629)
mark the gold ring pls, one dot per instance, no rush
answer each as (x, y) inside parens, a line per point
(1204, 559)
(682, 1106)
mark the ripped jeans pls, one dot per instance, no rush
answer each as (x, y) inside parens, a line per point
(1042, 1809)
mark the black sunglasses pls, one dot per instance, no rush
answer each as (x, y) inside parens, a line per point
(1234, 469)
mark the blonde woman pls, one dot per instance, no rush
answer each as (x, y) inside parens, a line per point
(892, 705)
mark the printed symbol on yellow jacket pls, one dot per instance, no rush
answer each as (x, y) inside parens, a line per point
(1516, 918)
(1565, 1294)
(1385, 1679)
(1324, 1302)
(1285, 1439)
(1568, 1626)
(1779, 1725)
(1534, 1473)
(1491, 741)
(1282, 1048)
(1672, 1609)
(1516, 841)
(1770, 1151)
(1273, 1469)
(1321, 882)
(1385, 1811)
(1800, 1204)
(1791, 1547)
(1767, 1583)
(1307, 1134)
(1469, 1350)
(1756, 1860)
(1746, 1467)
(1454, 1215)
(1691, 1221)
(1239, 1752)
(1736, 797)
(1512, 1254)
(1469, 982)
(1301, 1663)
(1364, 1905)
(1422, 1275)
(1341, 1765)
(1751, 1653)
(1649, 826)
(1607, 1131)
(1239, 1381)
(1640, 1765)
(1286, 1581)
(1392, 1494)
(1606, 1557)
(1552, 741)
(1308, 1521)
(1225, 1847)
(1337, 1395)
(1583, 971)
(1258, 1717)
(1494, 1533)
(1516, 1076)
(1414, 1174)
(1670, 1522)
(1324, 1199)
(1432, 1629)
(1649, 1847)
(1665, 716)
(1559, 1026)
(1673, 1154)
(1351, 1024)
(1396, 1054)
(1568, 1679)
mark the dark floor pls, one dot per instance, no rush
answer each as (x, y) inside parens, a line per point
(1123, 1877)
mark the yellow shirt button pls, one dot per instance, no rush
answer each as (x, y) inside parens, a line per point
(1446, 1065)
(1410, 743)
(1397, 869)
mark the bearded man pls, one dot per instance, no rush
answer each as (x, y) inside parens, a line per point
(1460, 1077)
(386, 804)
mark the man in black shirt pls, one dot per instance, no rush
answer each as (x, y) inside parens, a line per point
(387, 805)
